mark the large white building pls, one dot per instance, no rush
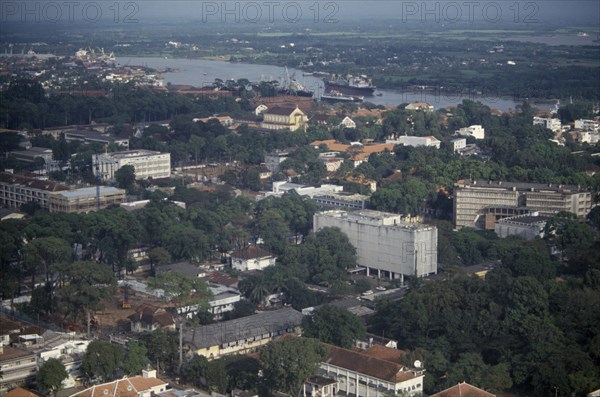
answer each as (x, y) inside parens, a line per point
(147, 164)
(552, 124)
(415, 141)
(385, 244)
(476, 131)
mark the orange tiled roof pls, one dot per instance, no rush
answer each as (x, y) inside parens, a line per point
(385, 353)
(20, 392)
(126, 387)
(463, 390)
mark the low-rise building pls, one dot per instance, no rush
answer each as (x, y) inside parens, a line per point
(17, 366)
(146, 385)
(284, 118)
(415, 141)
(70, 352)
(364, 375)
(30, 155)
(148, 318)
(147, 164)
(223, 300)
(476, 131)
(341, 200)
(528, 227)
(252, 257)
(16, 190)
(243, 335)
(463, 389)
(586, 125)
(85, 199)
(347, 122)
(331, 160)
(91, 136)
(424, 106)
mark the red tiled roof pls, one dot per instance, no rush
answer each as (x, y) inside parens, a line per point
(385, 353)
(251, 252)
(280, 110)
(127, 387)
(12, 179)
(364, 364)
(222, 278)
(149, 314)
(20, 392)
(463, 390)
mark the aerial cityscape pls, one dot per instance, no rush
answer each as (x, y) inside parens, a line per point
(300, 198)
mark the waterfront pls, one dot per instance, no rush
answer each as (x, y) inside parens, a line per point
(202, 72)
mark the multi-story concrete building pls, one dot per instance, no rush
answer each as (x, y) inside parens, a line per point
(476, 131)
(553, 125)
(458, 143)
(481, 203)
(528, 227)
(147, 164)
(91, 136)
(587, 125)
(16, 190)
(415, 141)
(85, 200)
(385, 244)
(273, 160)
(33, 153)
(17, 366)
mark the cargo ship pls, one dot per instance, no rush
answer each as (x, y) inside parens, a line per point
(351, 85)
(336, 96)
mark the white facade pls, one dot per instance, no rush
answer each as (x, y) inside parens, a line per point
(588, 125)
(273, 160)
(458, 143)
(385, 244)
(552, 124)
(528, 227)
(415, 141)
(147, 164)
(348, 123)
(476, 131)
(70, 353)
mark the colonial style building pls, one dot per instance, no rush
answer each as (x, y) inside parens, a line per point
(480, 203)
(252, 257)
(147, 164)
(242, 335)
(463, 389)
(16, 190)
(386, 245)
(148, 318)
(17, 366)
(146, 385)
(283, 118)
(86, 199)
(364, 375)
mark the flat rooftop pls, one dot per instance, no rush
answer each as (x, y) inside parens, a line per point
(372, 217)
(91, 191)
(520, 186)
(133, 153)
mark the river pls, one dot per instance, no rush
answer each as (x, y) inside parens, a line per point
(201, 72)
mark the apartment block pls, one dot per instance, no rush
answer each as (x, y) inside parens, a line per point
(16, 190)
(386, 245)
(481, 203)
(147, 164)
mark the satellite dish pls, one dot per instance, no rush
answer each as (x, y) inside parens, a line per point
(418, 364)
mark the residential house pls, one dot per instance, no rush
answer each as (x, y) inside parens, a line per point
(252, 257)
(243, 335)
(365, 375)
(347, 122)
(223, 300)
(148, 318)
(284, 118)
(463, 389)
(70, 352)
(146, 385)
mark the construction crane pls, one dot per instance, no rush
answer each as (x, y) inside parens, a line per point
(97, 183)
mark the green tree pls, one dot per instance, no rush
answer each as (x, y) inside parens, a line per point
(158, 256)
(163, 347)
(217, 378)
(136, 358)
(43, 253)
(288, 363)
(51, 375)
(85, 285)
(335, 325)
(125, 177)
(194, 370)
(186, 290)
(102, 359)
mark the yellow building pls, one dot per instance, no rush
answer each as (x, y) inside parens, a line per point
(243, 335)
(284, 118)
